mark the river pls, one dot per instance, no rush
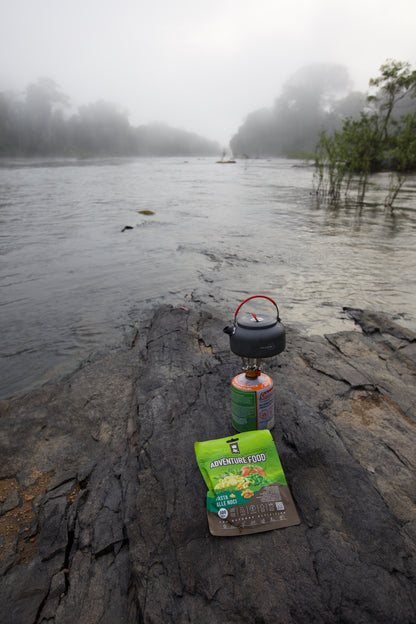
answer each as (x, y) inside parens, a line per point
(73, 282)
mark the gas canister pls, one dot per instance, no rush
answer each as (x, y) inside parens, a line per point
(252, 402)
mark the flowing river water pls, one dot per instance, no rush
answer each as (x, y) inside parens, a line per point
(73, 282)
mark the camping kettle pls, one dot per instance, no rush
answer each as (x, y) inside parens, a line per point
(256, 335)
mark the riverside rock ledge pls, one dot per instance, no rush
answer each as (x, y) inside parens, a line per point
(102, 506)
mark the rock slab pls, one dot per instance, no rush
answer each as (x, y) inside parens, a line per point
(102, 506)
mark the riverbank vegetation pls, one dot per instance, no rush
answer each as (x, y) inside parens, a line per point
(37, 123)
(348, 134)
(383, 137)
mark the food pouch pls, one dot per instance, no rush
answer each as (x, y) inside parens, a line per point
(247, 489)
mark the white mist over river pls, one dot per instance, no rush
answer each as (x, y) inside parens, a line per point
(72, 282)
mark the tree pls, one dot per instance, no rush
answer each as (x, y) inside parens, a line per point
(102, 128)
(44, 101)
(396, 81)
(257, 135)
(374, 141)
(309, 100)
(10, 123)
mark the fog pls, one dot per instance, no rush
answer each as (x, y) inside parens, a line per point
(202, 67)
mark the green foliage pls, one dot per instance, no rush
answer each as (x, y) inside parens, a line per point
(371, 143)
(395, 82)
(404, 144)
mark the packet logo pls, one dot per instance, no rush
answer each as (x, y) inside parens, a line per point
(234, 446)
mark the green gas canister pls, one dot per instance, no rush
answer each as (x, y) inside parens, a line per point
(252, 401)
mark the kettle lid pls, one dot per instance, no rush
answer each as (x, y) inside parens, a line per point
(256, 321)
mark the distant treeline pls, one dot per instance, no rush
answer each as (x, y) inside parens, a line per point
(36, 124)
(315, 98)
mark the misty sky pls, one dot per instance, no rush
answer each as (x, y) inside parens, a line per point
(200, 66)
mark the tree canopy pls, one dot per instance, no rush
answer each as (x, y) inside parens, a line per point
(316, 95)
(37, 123)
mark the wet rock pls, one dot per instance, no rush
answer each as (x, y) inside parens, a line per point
(103, 507)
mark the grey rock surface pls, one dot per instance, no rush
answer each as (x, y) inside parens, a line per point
(102, 506)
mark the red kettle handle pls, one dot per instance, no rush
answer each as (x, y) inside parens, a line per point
(255, 297)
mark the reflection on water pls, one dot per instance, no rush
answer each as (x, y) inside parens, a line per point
(72, 281)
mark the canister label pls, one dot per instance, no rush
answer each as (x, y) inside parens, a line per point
(252, 402)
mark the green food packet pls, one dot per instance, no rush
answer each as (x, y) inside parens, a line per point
(247, 489)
